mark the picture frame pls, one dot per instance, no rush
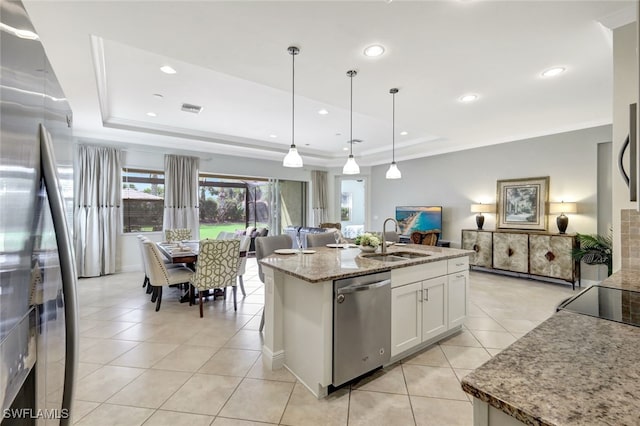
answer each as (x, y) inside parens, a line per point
(522, 203)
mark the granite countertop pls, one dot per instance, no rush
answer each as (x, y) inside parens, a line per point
(572, 369)
(336, 263)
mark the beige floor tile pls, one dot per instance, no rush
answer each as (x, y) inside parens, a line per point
(389, 379)
(175, 333)
(461, 372)
(476, 311)
(151, 389)
(304, 409)
(268, 401)
(106, 351)
(202, 394)
(440, 412)
(494, 339)
(104, 382)
(86, 368)
(246, 339)
(223, 421)
(518, 325)
(462, 338)
(436, 382)
(108, 313)
(260, 371)
(253, 324)
(432, 356)
(174, 418)
(465, 357)
(493, 351)
(86, 342)
(486, 323)
(379, 409)
(230, 362)
(139, 332)
(144, 355)
(215, 337)
(80, 409)
(116, 415)
(107, 329)
(186, 358)
(84, 311)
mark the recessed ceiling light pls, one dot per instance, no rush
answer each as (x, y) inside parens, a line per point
(158, 96)
(403, 133)
(345, 149)
(338, 134)
(374, 50)
(323, 112)
(272, 135)
(468, 98)
(552, 72)
(152, 114)
(167, 69)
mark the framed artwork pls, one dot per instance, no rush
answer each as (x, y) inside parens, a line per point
(346, 204)
(522, 203)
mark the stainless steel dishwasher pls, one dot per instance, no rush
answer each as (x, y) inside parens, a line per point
(361, 325)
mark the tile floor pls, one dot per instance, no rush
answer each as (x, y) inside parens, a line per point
(138, 366)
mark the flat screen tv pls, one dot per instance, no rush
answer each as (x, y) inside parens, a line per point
(418, 218)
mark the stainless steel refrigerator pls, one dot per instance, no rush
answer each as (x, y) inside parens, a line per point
(38, 307)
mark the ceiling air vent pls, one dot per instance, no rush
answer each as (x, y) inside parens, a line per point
(356, 141)
(194, 109)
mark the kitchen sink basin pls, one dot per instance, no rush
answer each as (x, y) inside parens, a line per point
(395, 257)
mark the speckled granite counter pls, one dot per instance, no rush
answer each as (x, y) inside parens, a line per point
(331, 263)
(573, 369)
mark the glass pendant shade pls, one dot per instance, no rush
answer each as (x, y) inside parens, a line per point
(393, 172)
(351, 167)
(292, 159)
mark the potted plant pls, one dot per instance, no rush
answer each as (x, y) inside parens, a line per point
(367, 242)
(594, 250)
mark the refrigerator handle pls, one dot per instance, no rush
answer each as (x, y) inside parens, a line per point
(67, 267)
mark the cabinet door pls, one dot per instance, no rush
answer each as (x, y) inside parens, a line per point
(457, 298)
(551, 256)
(511, 252)
(482, 244)
(406, 317)
(434, 307)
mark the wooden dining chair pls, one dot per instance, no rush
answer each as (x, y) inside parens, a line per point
(217, 267)
(159, 275)
(429, 238)
(266, 246)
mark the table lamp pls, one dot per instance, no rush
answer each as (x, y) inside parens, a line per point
(482, 208)
(562, 221)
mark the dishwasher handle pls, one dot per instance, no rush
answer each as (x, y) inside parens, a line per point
(363, 287)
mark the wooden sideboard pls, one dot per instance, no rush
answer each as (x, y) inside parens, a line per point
(536, 254)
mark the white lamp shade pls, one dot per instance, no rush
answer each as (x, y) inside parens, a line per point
(393, 172)
(351, 167)
(483, 208)
(292, 159)
(563, 207)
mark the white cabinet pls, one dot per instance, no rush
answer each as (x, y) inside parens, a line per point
(457, 298)
(423, 310)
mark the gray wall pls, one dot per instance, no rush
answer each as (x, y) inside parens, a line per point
(456, 180)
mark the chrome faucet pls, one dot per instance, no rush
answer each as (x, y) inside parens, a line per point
(384, 229)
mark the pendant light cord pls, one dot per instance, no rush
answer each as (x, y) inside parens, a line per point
(393, 129)
(351, 117)
(293, 98)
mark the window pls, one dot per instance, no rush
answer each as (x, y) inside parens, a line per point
(231, 203)
(142, 200)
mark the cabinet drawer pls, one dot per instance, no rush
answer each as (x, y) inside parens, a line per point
(458, 264)
(411, 274)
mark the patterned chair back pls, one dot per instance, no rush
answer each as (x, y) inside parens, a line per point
(217, 264)
(178, 234)
(424, 238)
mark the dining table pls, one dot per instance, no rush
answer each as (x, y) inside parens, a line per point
(185, 252)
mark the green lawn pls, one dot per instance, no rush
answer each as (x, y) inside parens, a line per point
(212, 230)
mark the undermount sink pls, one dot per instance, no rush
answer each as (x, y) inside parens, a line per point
(397, 256)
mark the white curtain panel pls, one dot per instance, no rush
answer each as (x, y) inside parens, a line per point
(181, 201)
(97, 209)
(319, 200)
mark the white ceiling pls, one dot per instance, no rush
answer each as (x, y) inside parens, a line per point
(232, 59)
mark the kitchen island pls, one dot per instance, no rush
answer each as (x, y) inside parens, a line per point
(429, 288)
(573, 369)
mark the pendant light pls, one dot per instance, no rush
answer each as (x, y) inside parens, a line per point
(393, 172)
(351, 167)
(293, 159)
